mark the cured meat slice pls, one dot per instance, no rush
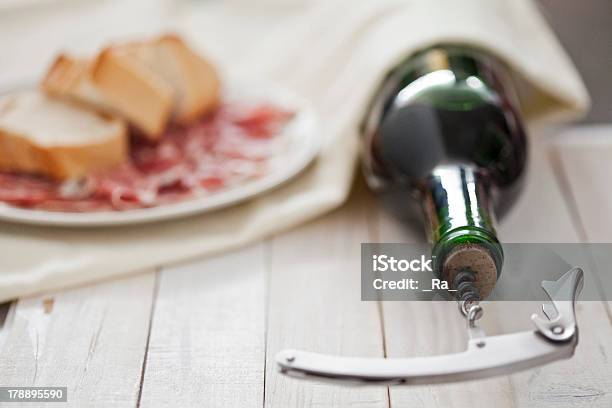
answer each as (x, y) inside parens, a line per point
(217, 151)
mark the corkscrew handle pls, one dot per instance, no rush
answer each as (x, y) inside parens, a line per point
(553, 340)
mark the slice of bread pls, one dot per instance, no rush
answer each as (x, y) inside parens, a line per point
(114, 83)
(194, 80)
(46, 136)
(148, 83)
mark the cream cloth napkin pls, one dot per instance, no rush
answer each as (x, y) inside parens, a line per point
(334, 53)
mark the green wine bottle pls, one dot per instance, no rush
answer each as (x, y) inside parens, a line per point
(446, 125)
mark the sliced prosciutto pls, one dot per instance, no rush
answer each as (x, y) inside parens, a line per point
(221, 150)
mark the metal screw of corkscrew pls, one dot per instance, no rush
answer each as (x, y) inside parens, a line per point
(467, 295)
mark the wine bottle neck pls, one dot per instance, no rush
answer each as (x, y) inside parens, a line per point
(458, 209)
(456, 196)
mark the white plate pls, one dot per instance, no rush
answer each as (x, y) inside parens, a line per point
(303, 142)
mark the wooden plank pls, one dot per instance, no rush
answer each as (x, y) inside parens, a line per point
(90, 339)
(206, 345)
(586, 166)
(544, 215)
(314, 304)
(6, 313)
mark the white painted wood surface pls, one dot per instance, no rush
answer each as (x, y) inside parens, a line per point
(89, 339)
(544, 214)
(314, 304)
(207, 340)
(205, 333)
(585, 167)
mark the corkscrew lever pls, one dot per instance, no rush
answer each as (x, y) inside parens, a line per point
(555, 338)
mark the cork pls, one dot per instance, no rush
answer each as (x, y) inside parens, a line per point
(476, 258)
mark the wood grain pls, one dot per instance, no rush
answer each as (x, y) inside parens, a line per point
(6, 312)
(206, 346)
(544, 215)
(585, 164)
(90, 339)
(314, 304)
(584, 161)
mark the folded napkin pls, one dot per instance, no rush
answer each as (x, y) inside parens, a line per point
(334, 53)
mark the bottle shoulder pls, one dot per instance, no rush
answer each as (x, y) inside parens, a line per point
(431, 113)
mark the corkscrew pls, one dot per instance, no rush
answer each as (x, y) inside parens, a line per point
(555, 337)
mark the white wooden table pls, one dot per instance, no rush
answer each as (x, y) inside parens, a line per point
(205, 333)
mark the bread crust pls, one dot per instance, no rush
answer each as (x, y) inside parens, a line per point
(195, 82)
(134, 91)
(64, 75)
(201, 93)
(19, 153)
(115, 83)
(148, 83)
